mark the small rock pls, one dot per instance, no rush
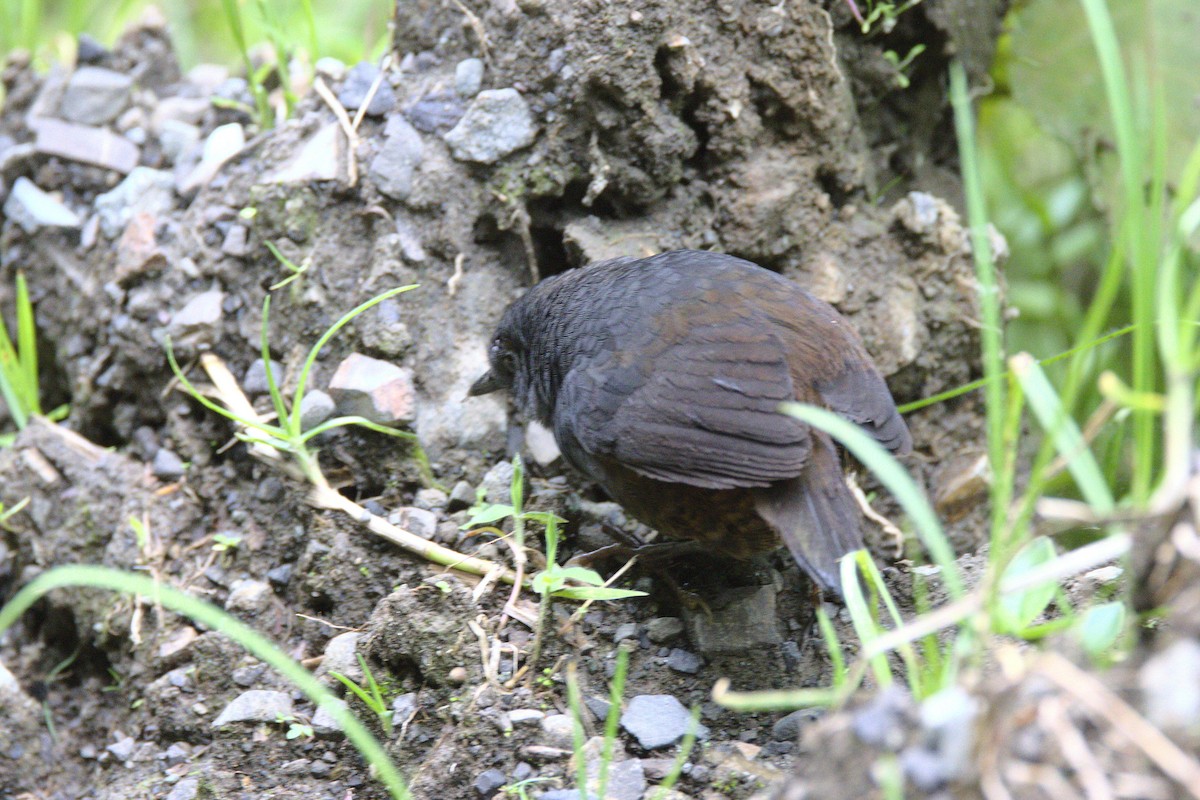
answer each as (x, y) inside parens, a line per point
(319, 769)
(256, 705)
(177, 753)
(31, 208)
(437, 111)
(497, 122)
(177, 138)
(167, 466)
(742, 618)
(281, 576)
(341, 656)
(626, 630)
(924, 768)
(376, 390)
(457, 676)
(918, 212)
(403, 707)
(685, 662)
(658, 720)
(237, 242)
(324, 723)
(599, 706)
(315, 408)
(331, 68)
(664, 629)
(88, 50)
(431, 499)
(123, 748)
(461, 496)
(393, 167)
(319, 158)
(489, 781)
(186, 789)
(526, 716)
(468, 77)
(882, 721)
(85, 144)
(558, 730)
(418, 521)
(497, 483)
(254, 382)
(249, 596)
(178, 641)
(359, 80)
(222, 144)
(202, 311)
(787, 729)
(138, 252)
(95, 96)
(145, 190)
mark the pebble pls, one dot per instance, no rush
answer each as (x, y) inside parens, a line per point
(341, 656)
(882, 721)
(88, 50)
(376, 390)
(558, 730)
(431, 499)
(626, 630)
(237, 242)
(32, 209)
(144, 190)
(403, 707)
(497, 483)
(281, 576)
(787, 729)
(85, 144)
(468, 77)
(526, 716)
(95, 96)
(249, 596)
(658, 720)
(255, 705)
(393, 167)
(417, 521)
(498, 122)
(319, 158)
(202, 311)
(167, 466)
(222, 144)
(359, 81)
(186, 789)
(437, 111)
(254, 381)
(123, 748)
(315, 408)
(663, 629)
(323, 722)
(742, 619)
(684, 661)
(461, 496)
(488, 781)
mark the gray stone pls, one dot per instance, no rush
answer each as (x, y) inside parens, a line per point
(341, 656)
(323, 722)
(177, 138)
(684, 661)
(318, 159)
(237, 242)
(468, 77)
(123, 748)
(418, 521)
(202, 311)
(664, 629)
(166, 465)
(32, 209)
(359, 81)
(222, 144)
(187, 110)
(85, 144)
(88, 50)
(488, 781)
(1170, 683)
(144, 190)
(95, 96)
(403, 707)
(658, 720)
(497, 483)
(626, 630)
(461, 496)
(787, 729)
(249, 596)
(949, 721)
(558, 730)
(526, 716)
(393, 167)
(254, 382)
(330, 68)
(315, 408)
(177, 753)
(882, 722)
(497, 122)
(186, 789)
(626, 780)
(741, 619)
(255, 705)
(376, 390)
(410, 241)
(436, 111)
(430, 499)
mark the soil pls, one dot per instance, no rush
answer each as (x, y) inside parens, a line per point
(773, 132)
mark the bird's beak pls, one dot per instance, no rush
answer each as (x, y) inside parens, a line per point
(486, 384)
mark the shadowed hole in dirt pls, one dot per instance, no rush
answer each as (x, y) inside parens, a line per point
(776, 115)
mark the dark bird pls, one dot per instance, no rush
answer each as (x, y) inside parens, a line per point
(661, 379)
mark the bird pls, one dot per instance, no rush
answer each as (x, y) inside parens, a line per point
(662, 378)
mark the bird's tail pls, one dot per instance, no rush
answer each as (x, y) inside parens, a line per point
(815, 514)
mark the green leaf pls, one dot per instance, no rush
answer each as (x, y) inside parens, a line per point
(488, 515)
(543, 517)
(596, 593)
(1101, 627)
(581, 574)
(1017, 612)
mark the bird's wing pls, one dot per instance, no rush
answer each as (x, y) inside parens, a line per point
(703, 411)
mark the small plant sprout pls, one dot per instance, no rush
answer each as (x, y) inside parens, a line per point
(296, 728)
(19, 365)
(372, 695)
(296, 271)
(8, 513)
(225, 543)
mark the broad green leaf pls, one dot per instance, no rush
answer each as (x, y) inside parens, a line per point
(1018, 611)
(488, 515)
(1101, 627)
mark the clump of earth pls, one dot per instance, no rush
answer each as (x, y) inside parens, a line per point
(502, 143)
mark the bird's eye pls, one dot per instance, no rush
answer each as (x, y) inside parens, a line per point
(502, 357)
